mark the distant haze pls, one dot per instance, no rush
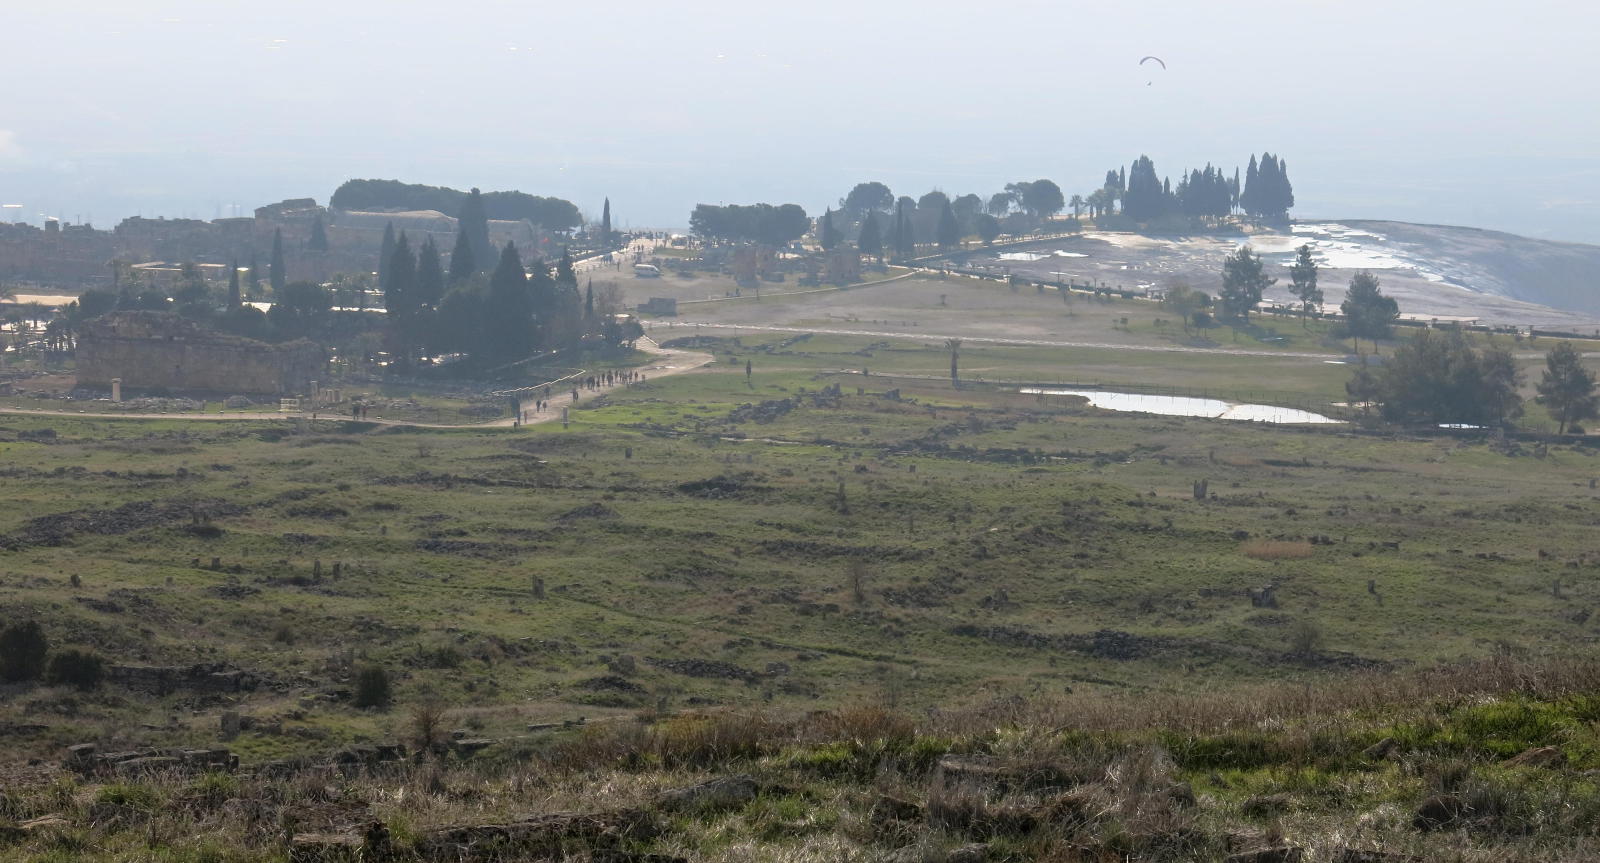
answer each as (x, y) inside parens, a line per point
(1465, 113)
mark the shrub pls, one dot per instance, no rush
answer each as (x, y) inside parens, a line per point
(22, 651)
(76, 668)
(372, 687)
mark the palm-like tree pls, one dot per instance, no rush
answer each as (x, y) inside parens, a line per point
(954, 347)
(1077, 204)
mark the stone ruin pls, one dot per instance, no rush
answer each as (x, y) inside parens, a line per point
(150, 350)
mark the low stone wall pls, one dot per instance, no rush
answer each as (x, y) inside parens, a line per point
(149, 350)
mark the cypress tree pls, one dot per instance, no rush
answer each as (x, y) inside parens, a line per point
(255, 277)
(384, 254)
(319, 236)
(605, 223)
(827, 234)
(509, 326)
(430, 275)
(234, 299)
(461, 265)
(474, 222)
(565, 276)
(871, 239)
(400, 294)
(949, 232)
(588, 302)
(1252, 188)
(279, 277)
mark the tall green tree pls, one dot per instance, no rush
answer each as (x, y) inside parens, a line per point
(474, 222)
(461, 264)
(605, 224)
(988, 228)
(255, 277)
(301, 310)
(1244, 280)
(400, 294)
(234, 297)
(385, 252)
(279, 273)
(509, 326)
(1303, 282)
(827, 234)
(871, 240)
(949, 233)
(1367, 312)
(905, 237)
(319, 236)
(867, 198)
(430, 276)
(1567, 389)
(1439, 377)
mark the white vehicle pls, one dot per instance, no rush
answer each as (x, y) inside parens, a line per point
(646, 271)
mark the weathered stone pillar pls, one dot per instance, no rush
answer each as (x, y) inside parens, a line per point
(116, 389)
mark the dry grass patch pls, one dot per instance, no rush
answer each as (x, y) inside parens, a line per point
(1274, 549)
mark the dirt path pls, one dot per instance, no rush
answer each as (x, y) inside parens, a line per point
(880, 334)
(669, 361)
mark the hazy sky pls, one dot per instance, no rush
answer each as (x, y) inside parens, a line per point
(1465, 112)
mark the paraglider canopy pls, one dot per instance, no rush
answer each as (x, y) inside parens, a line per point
(1148, 59)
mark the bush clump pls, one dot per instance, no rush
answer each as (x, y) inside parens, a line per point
(76, 668)
(22, 650)
(372, 687)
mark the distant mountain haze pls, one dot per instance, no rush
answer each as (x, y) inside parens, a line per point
(1474, 115)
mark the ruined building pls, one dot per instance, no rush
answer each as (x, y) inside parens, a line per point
(150, 350)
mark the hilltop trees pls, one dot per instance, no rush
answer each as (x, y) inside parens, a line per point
(1367, 312)
(510, 307)
(762, 224)
(1303, 282)
(870, 242)
(866, 198)
(1040, 198)
(827, 234)
(904, 238)
(553, 214)
(948, 234)
(1267, 194)
(988, 228)
(1243, 282)
(462, 265)
(1567, 389)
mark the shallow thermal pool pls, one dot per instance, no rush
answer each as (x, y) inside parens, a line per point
(1185, 406)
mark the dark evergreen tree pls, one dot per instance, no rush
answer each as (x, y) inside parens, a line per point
(1303, 279)
(461, 264)
(949, 233)
(400, 295)
(279, 274)
(827, 234)
(430, 276)
(1244, 280)
(1367, 312)
(871, 240)
(566, 276)
(988, 228)
(905, 238)
(1439, 377)
(234, 298)
(588, 302)
(255, 277)
(605, 224)
(385, 252)
(319, 236)
(509, 308)
(867, 198)
(474, 222)
(1567, 389)
(1252, 188)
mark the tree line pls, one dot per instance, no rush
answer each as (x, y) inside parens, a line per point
(555, 214)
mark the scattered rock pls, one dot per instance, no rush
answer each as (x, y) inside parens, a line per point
(722, 794)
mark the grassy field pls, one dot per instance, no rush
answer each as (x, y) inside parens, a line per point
(799, 539)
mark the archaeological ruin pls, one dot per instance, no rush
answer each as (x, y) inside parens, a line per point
(159, 350)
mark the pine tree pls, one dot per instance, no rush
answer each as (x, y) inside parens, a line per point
(565, 275)
(1244, 280)
(385, 252)
(605, 224)
(871, 239)
(1367, 312)
(588, 302)
(319, 236)
(430, 275)
(461, 265)
(234, 300)
(474, 222)
(279, 276)
(1568, 389)
(827, 234)
(1303, 278)
(1252, 188)
(949, 235)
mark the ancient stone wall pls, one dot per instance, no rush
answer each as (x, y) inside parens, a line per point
(157, 349)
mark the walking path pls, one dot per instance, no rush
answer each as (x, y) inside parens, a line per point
(669, 361)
